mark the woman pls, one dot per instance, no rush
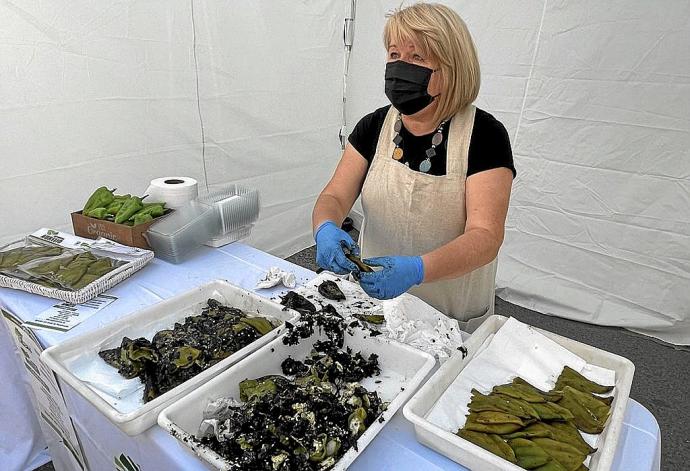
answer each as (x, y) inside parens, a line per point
(434, 174)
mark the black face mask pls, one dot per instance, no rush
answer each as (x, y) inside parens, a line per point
(406, 86)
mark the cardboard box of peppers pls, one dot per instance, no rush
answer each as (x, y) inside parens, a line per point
(121, 209)
(122, 218)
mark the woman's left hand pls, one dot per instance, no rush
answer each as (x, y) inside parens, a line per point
(398, 275)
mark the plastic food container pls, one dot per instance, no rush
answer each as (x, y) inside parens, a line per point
(476, 458)
(237, 205)
(403, 369)
(230, 237)
(187, 228)
(70, 360)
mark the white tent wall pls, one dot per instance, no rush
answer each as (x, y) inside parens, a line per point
(91, 93)
(105, 93)
(596, 99)
(271, 98)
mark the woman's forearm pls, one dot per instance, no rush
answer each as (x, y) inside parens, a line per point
(474, 249)
(327, 207)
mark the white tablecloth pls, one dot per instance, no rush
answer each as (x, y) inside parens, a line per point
(155, 449)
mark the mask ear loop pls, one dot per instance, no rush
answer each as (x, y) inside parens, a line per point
(438, 95)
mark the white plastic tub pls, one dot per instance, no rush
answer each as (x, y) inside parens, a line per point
(70, 359)
(403, 368)
(478, 459)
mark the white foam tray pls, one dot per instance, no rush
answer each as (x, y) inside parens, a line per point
(63, 357)
(403, 368)
(475, 458)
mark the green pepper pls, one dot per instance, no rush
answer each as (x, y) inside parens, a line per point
(570, 377)
(100, 198)
(129, 208)
(355, 421)
(51, 266)
(100, 267)
(142, 218)
(260, 324)
(84, 280)
(377, 319)
(256, 388)
(114, 207)
(122, 197)
(98, 213)
(154, 210)
(69, 277)
(568, 456)
(529, 455)
(318, 454)
(186, 356)
(489, 442)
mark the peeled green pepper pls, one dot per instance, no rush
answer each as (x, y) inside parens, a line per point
(489, 442)
(590, 413)
(84, 280)
(552, 411)
(529, 455)
(259, 324)
(100, 267)
(496, 402)
(130, 207)
(552, 465)
(567, 432)
(519, 391)
(570, 377)
(98, 213)
(51, 266)
(69, 277)
(100, 198)
(569, 457)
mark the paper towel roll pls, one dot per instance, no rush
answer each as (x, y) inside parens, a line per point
(174, 191)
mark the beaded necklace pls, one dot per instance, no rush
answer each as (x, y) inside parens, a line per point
(425, 166)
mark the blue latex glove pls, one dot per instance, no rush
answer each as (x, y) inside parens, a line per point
(399, 274)
(329, 252)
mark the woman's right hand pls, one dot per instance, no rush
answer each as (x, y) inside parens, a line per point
(329, 251)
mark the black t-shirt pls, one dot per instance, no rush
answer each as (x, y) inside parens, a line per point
(489, 144)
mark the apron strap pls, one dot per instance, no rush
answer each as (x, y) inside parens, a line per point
(458, 144)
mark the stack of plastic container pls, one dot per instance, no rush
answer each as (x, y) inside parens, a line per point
(219, 217)
(237, 208)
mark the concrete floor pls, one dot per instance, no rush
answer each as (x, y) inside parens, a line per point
(662, 373)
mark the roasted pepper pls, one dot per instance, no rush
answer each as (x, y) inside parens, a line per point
(129, 208)
(98, 213)
(490, 442)
(570, 377)
(100, 267)
(100, 198)
(529, 455)
(261, 325)
(568, 456)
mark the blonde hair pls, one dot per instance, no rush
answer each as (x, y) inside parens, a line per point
(440, 33)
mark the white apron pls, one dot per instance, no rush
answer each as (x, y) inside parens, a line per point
(412, 213)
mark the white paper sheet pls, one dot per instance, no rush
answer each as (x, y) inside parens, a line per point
(409, 320)
(515, 350)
